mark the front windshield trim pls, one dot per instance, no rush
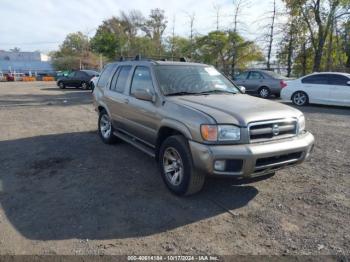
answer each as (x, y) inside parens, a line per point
(233, 88)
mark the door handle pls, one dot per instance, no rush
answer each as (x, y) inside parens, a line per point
(126, 101)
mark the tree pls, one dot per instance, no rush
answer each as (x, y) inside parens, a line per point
(319, 15)
(155, 26)
(271, 36)
(75, 43)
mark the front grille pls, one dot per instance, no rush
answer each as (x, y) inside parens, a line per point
(277, 160)
(270, 130)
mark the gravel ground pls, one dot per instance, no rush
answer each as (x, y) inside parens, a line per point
(62, 191)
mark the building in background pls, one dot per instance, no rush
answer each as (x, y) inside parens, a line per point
(29, 63)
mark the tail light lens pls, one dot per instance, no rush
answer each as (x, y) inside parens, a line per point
(283, 84)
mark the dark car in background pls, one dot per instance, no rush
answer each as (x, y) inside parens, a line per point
(261, 82)
(80, 78)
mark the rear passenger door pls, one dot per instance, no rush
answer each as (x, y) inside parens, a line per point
(141, 115)
(116, 97)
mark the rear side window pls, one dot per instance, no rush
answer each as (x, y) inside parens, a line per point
(105, 75)
(120, 78)
(320, 79)
(338, 80)
(142, 79)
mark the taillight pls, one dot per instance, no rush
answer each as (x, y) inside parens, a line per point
(283, 84)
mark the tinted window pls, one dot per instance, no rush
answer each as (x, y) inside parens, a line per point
(255, 75)
(91, 72)
(105, 75)
(242, 76)
(80, 74)
(119, 79)
(338, 80)
(320, 79)
(142, 79)
(72, 74)
(114, 80)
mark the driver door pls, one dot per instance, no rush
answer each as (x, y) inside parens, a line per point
(141, 116)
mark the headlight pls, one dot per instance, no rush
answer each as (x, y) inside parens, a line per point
(220, 132)
(301, 124)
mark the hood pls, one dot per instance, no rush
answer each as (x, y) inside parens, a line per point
(237, 109)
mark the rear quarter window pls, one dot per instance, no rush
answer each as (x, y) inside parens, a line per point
(105, 75)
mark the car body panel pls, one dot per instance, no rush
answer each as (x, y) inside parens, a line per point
(327, 94)
(143, 120)
(256, 79)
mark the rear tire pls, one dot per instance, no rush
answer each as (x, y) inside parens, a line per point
(264, 92)
(176, 167)
(300, 98)
(105, 128)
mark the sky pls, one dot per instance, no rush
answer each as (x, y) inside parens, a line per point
(43, 24)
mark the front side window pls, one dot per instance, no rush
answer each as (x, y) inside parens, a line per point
(141, 80)
(72, 74)
(242, 76)
(80, 74)
(192, 79)
(255, 75)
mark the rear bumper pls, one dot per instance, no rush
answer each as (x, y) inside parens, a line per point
(251, 160)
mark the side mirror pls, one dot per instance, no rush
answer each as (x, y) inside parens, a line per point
(348, 83)
(242, 88)
(144, 94)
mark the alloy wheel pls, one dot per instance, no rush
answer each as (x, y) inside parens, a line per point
(173, 166)
(105, 126)
(264, 93)
(300, 99)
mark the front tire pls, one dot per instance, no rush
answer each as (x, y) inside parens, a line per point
(84, 85)
(300, 98)
(264, 92)
(61, 85)
(105, 128)
(176, 167)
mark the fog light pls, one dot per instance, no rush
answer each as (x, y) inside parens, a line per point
(220, 165)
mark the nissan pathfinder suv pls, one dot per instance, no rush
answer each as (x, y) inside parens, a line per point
(196, 123)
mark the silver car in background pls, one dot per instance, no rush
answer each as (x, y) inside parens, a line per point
(261, 82)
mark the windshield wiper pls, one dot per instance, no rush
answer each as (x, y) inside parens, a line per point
(217, 92)
(182, 93)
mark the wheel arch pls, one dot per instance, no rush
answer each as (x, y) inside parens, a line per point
(170, 128)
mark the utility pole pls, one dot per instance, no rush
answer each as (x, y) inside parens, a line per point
(101, 62)
(268, 65)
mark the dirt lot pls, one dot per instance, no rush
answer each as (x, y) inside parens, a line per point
(62, 191)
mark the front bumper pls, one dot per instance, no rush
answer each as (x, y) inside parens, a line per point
(252, 159)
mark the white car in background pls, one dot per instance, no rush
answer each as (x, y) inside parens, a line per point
(319, 88)
(93, 82)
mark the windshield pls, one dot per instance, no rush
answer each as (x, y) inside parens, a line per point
(182, 79)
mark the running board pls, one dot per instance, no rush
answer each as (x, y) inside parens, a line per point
(136, 143)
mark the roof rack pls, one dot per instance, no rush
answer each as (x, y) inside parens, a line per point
(153, 58)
